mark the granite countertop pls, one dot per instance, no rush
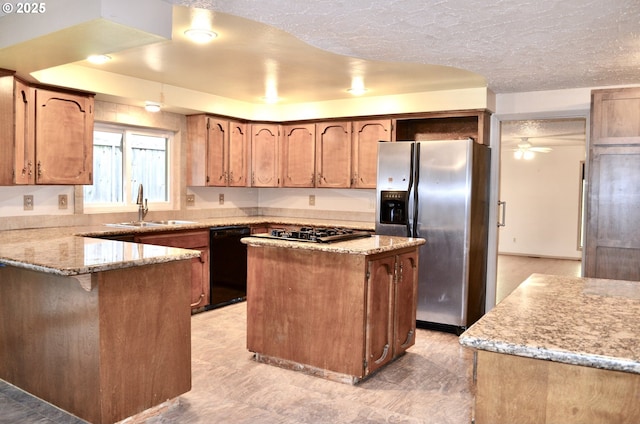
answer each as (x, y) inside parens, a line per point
(581, 321)
(359, 246)
(74, 250)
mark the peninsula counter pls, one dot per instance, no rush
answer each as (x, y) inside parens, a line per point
(559, 350)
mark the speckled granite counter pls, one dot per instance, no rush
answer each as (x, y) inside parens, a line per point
(360, 246)
(73, 251)
(580, 321)
(559, 350)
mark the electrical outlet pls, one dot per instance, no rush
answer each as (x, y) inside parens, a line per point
(62, 201)
(191, 199)
(312, 200)
(221, 198)
(28, 202)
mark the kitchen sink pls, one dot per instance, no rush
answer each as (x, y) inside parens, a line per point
(138, 224)
(172, 222)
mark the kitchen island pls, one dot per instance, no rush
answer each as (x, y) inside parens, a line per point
(559, 350)
(336, 310)
(95, 327)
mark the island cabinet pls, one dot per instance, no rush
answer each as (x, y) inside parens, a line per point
(335, 314)
(195, 240)
(217, 153)
(316, 155)
(366, 135)
(612, 239)
(265, 149)
(46, 134)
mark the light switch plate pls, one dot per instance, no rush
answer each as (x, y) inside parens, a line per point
(221, 198)
(312, 200)
(191, 199)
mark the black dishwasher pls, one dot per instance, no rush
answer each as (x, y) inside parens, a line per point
(228, 265)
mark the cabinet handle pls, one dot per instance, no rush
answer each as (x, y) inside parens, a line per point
(408, 340)
(253, 178)
(313, 178)
(39, 169)
(30, 167)
(384, 354)
(230, 177)
(199, 300)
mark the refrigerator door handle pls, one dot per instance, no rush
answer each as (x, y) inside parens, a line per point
(410, 211)
(502, 223)
(415, 172)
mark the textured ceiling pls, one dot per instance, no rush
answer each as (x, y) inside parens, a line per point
(516, 45)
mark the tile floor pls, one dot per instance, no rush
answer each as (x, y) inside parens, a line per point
(431, 383)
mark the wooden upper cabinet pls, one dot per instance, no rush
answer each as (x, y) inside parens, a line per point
(217, 153)
(298, 155)
(46, 136)
(64, 138)
(366, 135)
(17, 132)
(264, 155)
(238, 158)
(333, 155)
(612, 238)
(217, 140)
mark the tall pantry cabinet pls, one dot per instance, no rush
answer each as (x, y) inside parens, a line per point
(612, 239)
(46, 134)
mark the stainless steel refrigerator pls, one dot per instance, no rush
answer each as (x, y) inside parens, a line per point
(439, 190)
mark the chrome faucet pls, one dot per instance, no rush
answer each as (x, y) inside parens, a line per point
(142, 207)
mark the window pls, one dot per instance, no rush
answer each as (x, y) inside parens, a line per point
(124, 158)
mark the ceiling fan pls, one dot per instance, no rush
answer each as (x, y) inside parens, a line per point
(527, 151)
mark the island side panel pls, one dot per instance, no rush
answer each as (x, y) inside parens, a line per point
(514, 389)
(307, 306)
(49, 343)
(145, 327)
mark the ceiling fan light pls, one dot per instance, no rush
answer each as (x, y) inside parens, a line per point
(528, 155)
(518, 154)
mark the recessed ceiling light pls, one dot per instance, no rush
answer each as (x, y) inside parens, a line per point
(200, 36)
(98, 59)
(152, 107)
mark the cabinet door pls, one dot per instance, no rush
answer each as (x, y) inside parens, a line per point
(406, 295)
(64, 138)
(379, 323)
(197, 150)
(264, 155)
(298, 156)
(333, 155)
(217, 140)
(17, 111)
(238, 155)
(612, 242)
(366, 135)
(198, 240)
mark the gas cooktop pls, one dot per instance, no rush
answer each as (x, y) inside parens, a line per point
(315, 234)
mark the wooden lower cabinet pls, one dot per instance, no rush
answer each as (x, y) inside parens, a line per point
(102, 346)
(196, 240)
(515, 389)
(337, 315)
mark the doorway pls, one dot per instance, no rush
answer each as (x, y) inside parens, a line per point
(540, 189)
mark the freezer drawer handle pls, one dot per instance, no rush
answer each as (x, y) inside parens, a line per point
(503, 222)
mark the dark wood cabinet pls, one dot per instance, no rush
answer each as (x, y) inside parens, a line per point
(454, 125)
(612, 238)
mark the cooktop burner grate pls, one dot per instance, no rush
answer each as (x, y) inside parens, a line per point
(315, 234)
